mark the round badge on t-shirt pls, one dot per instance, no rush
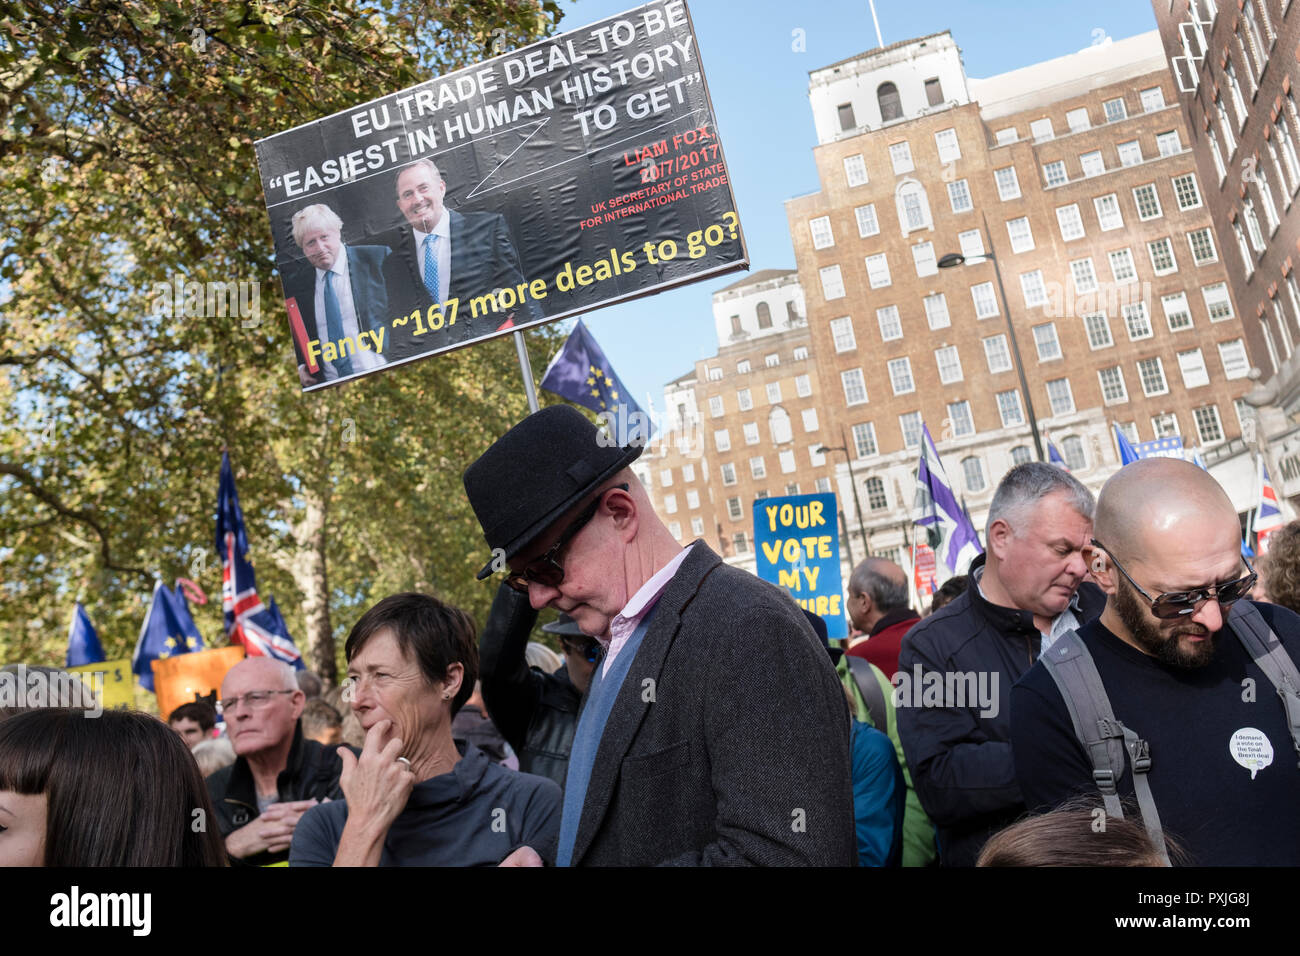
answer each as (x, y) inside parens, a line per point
(1252, 749)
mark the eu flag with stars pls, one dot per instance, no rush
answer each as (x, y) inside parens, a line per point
(168, 630)
(83, 642)
(581, 373)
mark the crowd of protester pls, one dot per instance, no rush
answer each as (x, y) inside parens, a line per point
(1075, 700)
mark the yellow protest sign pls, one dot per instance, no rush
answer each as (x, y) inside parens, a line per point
(118, 692)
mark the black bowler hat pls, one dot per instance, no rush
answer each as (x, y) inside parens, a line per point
(537, 471)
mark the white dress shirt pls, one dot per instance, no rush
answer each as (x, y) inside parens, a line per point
(441, 249)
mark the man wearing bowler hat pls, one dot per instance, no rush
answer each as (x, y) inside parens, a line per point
(715, 731)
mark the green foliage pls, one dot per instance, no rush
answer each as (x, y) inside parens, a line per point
(127, 132)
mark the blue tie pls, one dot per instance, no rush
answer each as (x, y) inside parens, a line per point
(431, 267)
(334, 324)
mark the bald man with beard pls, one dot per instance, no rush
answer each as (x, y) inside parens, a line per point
(1185, 684)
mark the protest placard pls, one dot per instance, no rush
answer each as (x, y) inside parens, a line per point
(118, 692)
(576, 172)
(797, 547)
(186, 677)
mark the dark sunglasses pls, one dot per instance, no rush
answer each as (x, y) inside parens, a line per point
(1173, 604)
(547, 570)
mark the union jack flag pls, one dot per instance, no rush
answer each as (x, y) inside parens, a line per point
(1268, 515)
(248, 621)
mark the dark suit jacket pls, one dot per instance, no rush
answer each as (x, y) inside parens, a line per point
(369, 294)
(728, 742)
(482, 260)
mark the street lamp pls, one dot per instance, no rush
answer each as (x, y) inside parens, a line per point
(853, 483)
(955, 259)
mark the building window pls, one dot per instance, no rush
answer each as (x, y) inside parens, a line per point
(1059, 396)
(742, 367)
(1098, 328)
(688, 473)
(959, 415)
(959, 196)
(697, 527)
(949, 363)
(786, 460)
(744, 400)
(855, 170)
(670, 506)
(1202, 244)
(1041, 130)
(1162, 256)
(740, 542)
(675, 529)
(891, 105)
(972, 470)
(890, 326)
(1130, 431)
(864, 439)
(997, 353)
(1084, 276)
(1008, 183)
(946, 141)
(913, 206)
(933, 92)
(923, 258)
(1165, 425)
(757, 468)
(1148, 203)
(911, 427)
(1021, 454)
(736, 328)
(722, 439)
(842, 334)
(1121, 265)
(878, 271)
(1077, 120)
(733, 504)
(1266, 196)
(1178, 315)
(855, 390)
(972, 243)
(1091, 163)
(1152, 99)
(876, 499)
(1108, 214)
(1005, 136)
(867, 224)
(800, 354)
(1022, 239)
(822, 238)
(1208, 427)
(1031, 283)
(1072, 449)
(1113, 389)
(815, 457)
(847, 120)
(666, 477)
(809, 419)
(751, 433)
(715, 406)
(1009, 408)
(1152, 374)
(1216, 154)
(1071, 222)
(986, 303)
(772, 361)
(823, 485)
(1192, 364)
(1186, 192)
(715, 374)
(832, 283)
(900, 156)
(764, 316)
(1054, 174)
(1049, 346)
(773, 393)
(900, 376)
(803, 385)
(1233, 356)
(1169, 144)
(1130, 153)
(1137, 321)
(1115, 110)
(936, 311)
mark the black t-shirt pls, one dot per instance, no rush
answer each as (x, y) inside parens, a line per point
(1222, 814)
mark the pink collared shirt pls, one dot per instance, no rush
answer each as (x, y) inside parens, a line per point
(626, 621)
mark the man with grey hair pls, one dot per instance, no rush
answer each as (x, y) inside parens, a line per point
(340, 294)
(1025, 591)
(441, 255)
(878, 608)
(278, 775)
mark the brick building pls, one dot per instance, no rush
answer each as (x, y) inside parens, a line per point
(1076, 174)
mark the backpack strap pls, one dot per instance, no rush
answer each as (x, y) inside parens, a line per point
(1271, 657)
(872, 694)
(1104, 738)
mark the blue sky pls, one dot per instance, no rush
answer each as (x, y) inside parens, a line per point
(759, 87)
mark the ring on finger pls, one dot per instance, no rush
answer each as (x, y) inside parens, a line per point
(407, 762)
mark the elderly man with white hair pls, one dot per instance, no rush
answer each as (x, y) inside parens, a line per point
(278, 775)
(341, 296)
